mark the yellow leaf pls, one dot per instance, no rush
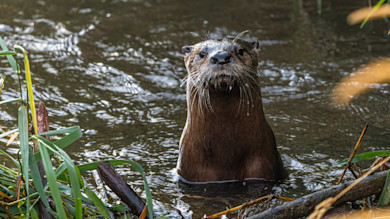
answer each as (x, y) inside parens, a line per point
(361, 14)
(350, 87)
(12, 138)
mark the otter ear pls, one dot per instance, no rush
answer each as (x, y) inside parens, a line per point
(186, 49)
(255, 46)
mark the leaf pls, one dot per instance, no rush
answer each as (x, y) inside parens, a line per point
(12, 138)
(29, 88)
(377, 72)
(96, 201)
(8, 133)
(51, 179)
(7, 52)
(74, 134)
(384, 199)
(137, 166)
(74, 174)
(11, 100)
(365, 156)
(24, 149)
(376, 7)
(35, 174)
(11, 59)
(10, 157)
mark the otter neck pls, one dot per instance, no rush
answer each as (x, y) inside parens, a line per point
(227, 104)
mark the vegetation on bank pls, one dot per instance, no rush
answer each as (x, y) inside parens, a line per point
(66, 193)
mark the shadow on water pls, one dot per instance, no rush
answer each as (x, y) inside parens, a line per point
(199, 195)
(114, 68)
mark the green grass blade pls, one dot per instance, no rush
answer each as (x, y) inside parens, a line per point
(63, 131)
(11, 158)
(74, 174)
(51, 179)
(7, 52)
(8, 191)
(60, 170)
(366, 156)
(94, 165)
(11, 59)
(372, 12)
(11, 100)
(96, 201)
(137, 166)
(73, 136)
(149, 199)
(8, 133)
(24, 149)
(384, 199)
(38, 181)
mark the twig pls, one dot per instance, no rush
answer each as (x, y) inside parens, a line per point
(246, 205)
(144, 213)
(353, 152)
(324, 206)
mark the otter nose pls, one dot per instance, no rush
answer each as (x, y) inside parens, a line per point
(221, 58)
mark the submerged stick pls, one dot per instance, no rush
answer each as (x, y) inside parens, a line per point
(121, 188)
(305, 205)
(353, 152)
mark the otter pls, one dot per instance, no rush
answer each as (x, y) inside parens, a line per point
(226, 135)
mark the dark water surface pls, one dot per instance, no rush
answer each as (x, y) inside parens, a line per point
(115, 68)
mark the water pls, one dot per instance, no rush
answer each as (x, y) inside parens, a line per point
(114, 68)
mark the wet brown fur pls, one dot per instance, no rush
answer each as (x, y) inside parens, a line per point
(226, 136)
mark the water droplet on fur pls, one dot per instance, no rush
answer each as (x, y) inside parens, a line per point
(247, 114)
(230, 88)
(248, 102)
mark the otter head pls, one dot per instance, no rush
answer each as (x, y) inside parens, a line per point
(222, 67)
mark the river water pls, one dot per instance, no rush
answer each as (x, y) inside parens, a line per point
(115, 67)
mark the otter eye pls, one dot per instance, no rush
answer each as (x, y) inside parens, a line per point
(202, 54)
(240, 52)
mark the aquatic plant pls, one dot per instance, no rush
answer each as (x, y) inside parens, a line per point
(22, 189)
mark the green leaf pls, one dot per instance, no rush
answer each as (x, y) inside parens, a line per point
(8, 191)
(94, 165)
(8, 133)
(7, 52)
(10, 58)
(51, 179)
(120, 208)
(365, 156)
(24, 149)
(74, 134)
(63, 131)
(38, 181)
(384, 199)
(137, 166)
(11, 158)
(11, 100)
(376, 7)
(74, 174)
(96, 201)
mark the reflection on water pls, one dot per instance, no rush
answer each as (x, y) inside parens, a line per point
(115, 68)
